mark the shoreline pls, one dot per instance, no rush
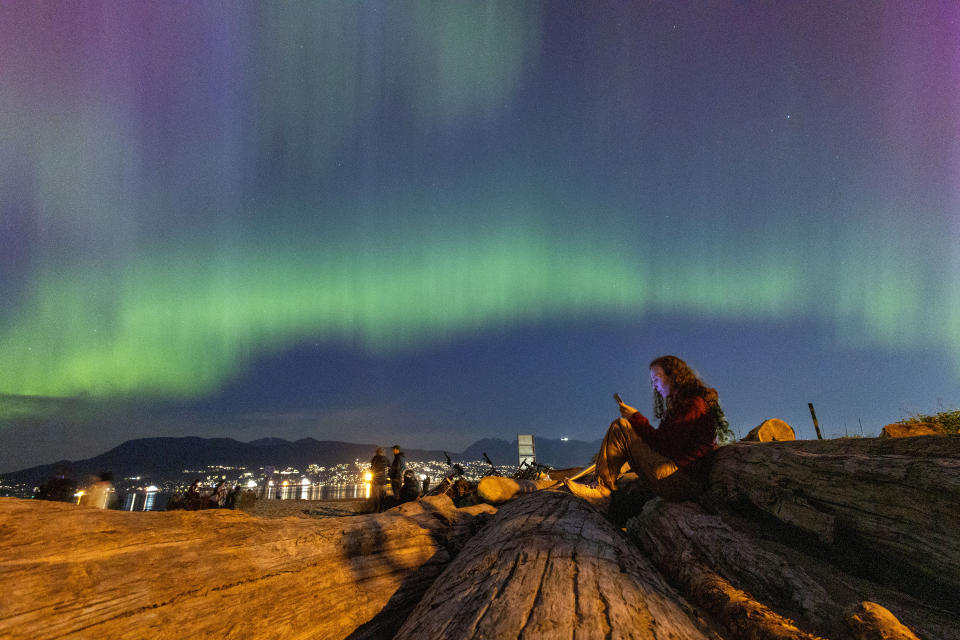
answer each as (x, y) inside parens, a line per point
(265, 508)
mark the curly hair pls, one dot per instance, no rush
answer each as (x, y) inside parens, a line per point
(685, 384)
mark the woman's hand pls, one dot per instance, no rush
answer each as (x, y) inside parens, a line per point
(626, 410)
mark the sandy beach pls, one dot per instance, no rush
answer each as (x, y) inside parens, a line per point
(307, 508)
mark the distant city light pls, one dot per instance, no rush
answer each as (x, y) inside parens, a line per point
(338, 481)
(564, 439)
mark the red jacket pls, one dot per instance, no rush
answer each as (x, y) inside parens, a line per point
(686, 434)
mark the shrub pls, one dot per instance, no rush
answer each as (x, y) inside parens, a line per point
(949, 420)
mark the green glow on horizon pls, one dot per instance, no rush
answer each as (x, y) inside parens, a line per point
(179, 322)
(136, 289)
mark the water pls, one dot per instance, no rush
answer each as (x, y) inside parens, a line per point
(157, 500)
(315, 492)
(144, 501)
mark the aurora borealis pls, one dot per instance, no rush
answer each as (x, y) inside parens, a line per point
(438, 221)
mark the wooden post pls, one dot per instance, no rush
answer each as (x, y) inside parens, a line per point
(816, 425)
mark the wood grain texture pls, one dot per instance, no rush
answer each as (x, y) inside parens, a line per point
(755, 593)
(80, 572)
(870, 621)
(891, 498)
(549, 566)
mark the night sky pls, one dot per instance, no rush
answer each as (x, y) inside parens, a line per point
(432, 222)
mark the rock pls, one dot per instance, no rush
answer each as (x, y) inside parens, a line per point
(870, 621)
(909, 430)
(497, 490)
(89, 573)
(549, 566)
(772, 430)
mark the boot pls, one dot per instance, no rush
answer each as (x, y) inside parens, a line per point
(598, 496)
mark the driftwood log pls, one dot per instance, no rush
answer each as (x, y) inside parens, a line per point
(81, 572)
(549, 566)
(759, 590)
(754, 592)
(909, 430)
(794, 534)
(882, 506)
(771, 430)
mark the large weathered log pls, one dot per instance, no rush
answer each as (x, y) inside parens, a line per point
(893, 501)
(741, 583)
(750, 590)
(80, 572)
(793, 547)
(549, 566)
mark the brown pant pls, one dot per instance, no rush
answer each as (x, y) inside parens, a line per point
(623, 444)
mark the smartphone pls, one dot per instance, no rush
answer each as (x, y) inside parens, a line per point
(616, 397)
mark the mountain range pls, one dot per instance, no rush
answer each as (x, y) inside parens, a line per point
(169, 457)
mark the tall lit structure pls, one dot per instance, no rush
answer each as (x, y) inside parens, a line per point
(526, 450)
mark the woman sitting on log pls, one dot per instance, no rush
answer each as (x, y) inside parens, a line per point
(667, 458)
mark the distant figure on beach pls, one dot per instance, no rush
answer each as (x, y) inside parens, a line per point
(233, 500)
(378, 483)
(100, 494)
(397, 467)
(667, 459)
(220, 494)
(193, 498)
(60, 487)
(410, 490)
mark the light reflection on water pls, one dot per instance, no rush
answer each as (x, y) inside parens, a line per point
(316, 492)
(144, 501)
(157, 500)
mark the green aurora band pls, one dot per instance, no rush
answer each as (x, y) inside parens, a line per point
(120, 302)
(180, 321)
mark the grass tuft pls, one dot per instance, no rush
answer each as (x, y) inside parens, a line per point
(949, 420)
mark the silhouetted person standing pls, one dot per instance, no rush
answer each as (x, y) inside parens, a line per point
(193, 499)
(397, 467)
(378, 483)
(100, 494)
